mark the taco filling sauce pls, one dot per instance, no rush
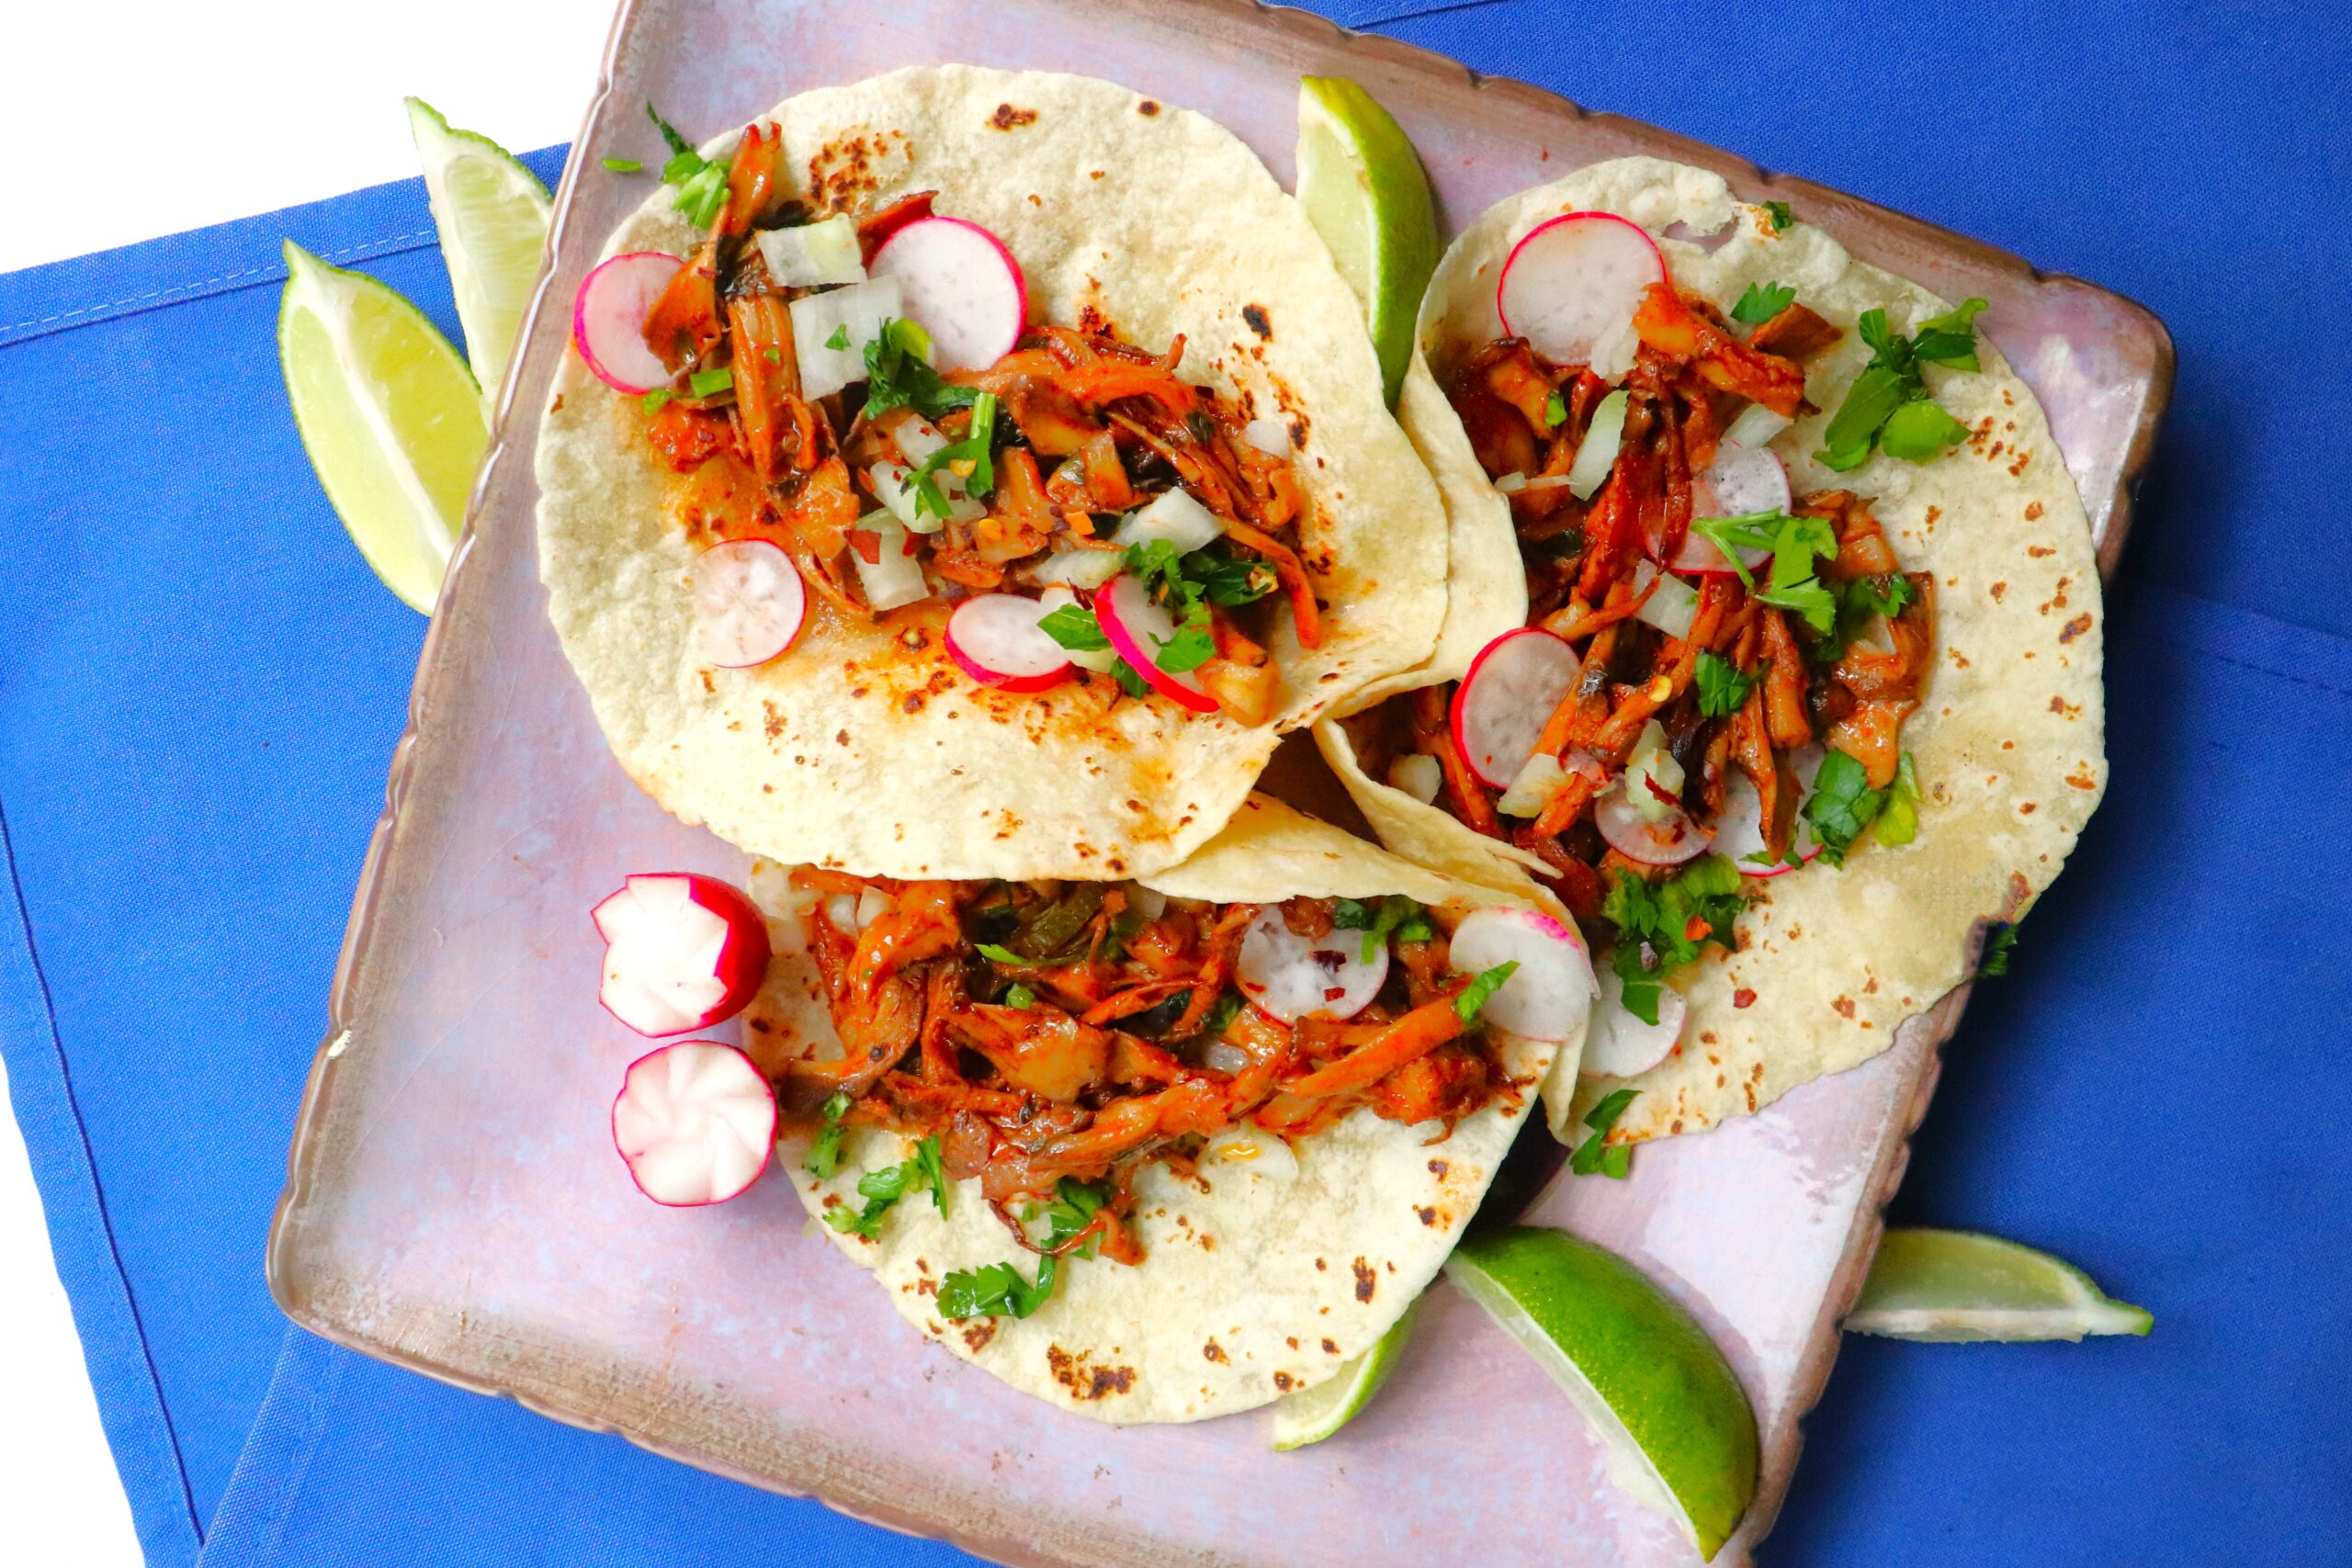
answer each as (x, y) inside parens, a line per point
(1050, 1039)
(1148, 526)
(1718, 673)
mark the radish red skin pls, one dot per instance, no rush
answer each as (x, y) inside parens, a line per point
(995, 338)
(768, 1142)
(1551, 227)
(1454, 717)
(742, 960)
(998, 679)
(633, 272)
(1130, 647)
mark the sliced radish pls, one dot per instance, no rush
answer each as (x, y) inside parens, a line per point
(608, 320)
(1550, 994)
(1172, 516)
(995, 641)
(1574, 281)
(1618, 1044)
(961, 286)
(1502, 705)
(1138, 629)
(696, 1123)
(683, 950)
(1291, 976)
(1669, 841)
(1741, 480)
(1740, 831)
(748, 603)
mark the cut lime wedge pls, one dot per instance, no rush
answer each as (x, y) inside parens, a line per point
(1362, 188)
(1957, 1286)
(1674, 1424)
(493, 214)
(393, 422)
(1314, 1414)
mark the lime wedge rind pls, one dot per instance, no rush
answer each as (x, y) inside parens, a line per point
(1312, 1415)
(1362, 188)
(493, 214)
(1961, 1287)
(1675, 1427)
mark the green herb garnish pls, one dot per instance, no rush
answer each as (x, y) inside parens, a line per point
(1762, 302)
(702, 185)
(1780, 215)
(1722, 690)
(622, 165)
(997, 1289)
(1662, 927)
(1842, 804)
(1597, 1155)
(1480, 991)
(839, 341)
(883, 1188)
(710, 383)
(998, 954)
(899, 375)
(977, 448)
(1075, 627)
(825, 1154)
(1555, 410)
(1888, 405)
(1898, 819)
(1020, 996)
(651, 402)
(1395, 916)
(2000, 940)
(1130, 679)
(1794, 543)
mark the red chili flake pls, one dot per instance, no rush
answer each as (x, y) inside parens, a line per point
(867, 543)
(1743, 997)
(1660, 791)
(1333, 993)
(1696, 931)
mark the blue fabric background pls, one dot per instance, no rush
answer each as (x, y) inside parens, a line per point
(202, 684)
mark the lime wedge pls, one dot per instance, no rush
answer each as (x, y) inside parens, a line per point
(1957, 1286)
(393, 422)
(1676, 1429)
(1362, 188)
(1314, 1414)
(493, 214)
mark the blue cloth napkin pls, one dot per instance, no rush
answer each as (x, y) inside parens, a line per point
(201, 685)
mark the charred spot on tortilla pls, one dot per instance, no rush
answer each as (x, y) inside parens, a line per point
(1006, 116)
(1367, 1279)
(1255, 315)
(1085, 1381)
(1147, 107)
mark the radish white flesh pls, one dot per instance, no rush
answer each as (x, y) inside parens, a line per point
(695, 1121)
(1172, 516)
(608, 320)
(894, 576)
(748, 603)
(1550, 994)
(960, 285)
(813, 255)
(995, 641)
(1574, 280)
(1741, 480)
(1138, 629)
(857, 312)
(1740, 831)
(1618, 1044)
(1099, 659)
(1501, 705)
(1671, 839)
(1291, 976)
(683, 950)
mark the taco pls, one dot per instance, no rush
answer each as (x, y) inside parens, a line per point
(965, 472)
(1167, 1148)
(1774, 653)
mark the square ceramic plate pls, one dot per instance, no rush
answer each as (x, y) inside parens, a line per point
(453, 1203)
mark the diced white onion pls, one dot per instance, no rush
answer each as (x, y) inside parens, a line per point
(1671, 605)
(1097, 659)
(1598, 454)
(1417, 775)
(1754, 426)
(891, 487)
(840, 911)
(1269, 435)
(897, 578)
(1531, 790)
(1614, 351)
(1079, 568)
(1512, 483)
(916, 438)
(1652, 762)
(1172, 516)
(872, 903)
(1148, 902)
(813, 255)
(862, 307)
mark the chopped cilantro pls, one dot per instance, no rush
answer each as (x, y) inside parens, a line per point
(1020, 996)
(825, 1154)
(2000, 939)
(1898, 819)
(1597, 1155)
(997, 1289)
(1222, 1013)
(1857, 602)
(622, 165)
(1781, 215)
(1074, 627)
(710, 383)
(997, 954)
(1842, 804)
(883, 1188)
(1662, 927)
(1167, 576)
(702, 185)
(839, 341)
(1888, 405)
(1722, 690)
(1795, 542)
(977, 448)
(1480, 991)
(652, 401)
(1762, 302)
(1555, 410)
(899, 375)
(1395, 916)
(1130, 679)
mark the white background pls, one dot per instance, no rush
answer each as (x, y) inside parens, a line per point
(216, 110)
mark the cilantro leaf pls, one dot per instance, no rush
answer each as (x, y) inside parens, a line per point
(1130, 679)
(1920, 430)
(1395, 916)
(1781, 215)
(1949, 339)
(702, 184)
(1794, 543)
(1480, 991)
(1596, 1155)
(1074, 627)
(899, 375)
(1842, 804)
(824, 1156)
(1898, 819)
(1192, 645)
(1762, 302)
(839, 341)
(1228, 580)
(2000, 939)
(1876, 393)
(882, 1189)
(1888, 406)
(1722, 690)
(1859, 601)
(1662, 927)
(975, 448)
(997, 1289)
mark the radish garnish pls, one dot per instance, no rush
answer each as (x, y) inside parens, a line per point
(748, 603)
(695, 1121)
(1551, 991)
(1172, 516)
(1138, 629)
(1574, 281)
(1669, 841)
(1620, 1045)
(959, 284)
(608, 320)
(994, 638)
(1742, 480)
(683, 952)
(1740, 831)
(1291, 976)
(1502, 705)
(1099, 659)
